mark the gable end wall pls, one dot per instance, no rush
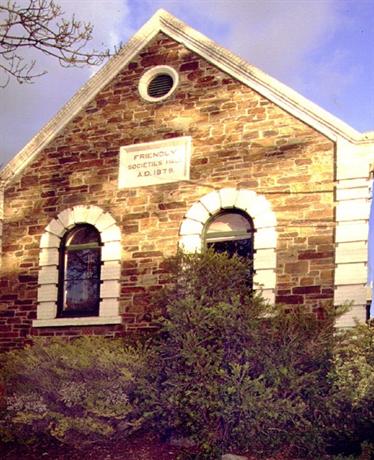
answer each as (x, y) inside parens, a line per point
(240, 140)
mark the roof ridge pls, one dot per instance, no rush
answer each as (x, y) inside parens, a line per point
(163, 21)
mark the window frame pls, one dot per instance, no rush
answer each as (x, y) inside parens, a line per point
(256, 206)
(49, 263)
(252, 231)
(63, 251)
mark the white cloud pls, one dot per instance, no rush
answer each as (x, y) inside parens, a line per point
(285, 38)
(25, 108)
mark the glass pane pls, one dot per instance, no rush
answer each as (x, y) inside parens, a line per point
(242, 248)
(83, 235)
(81, 295)
(83, 264)
(229, 222)
(82, 280)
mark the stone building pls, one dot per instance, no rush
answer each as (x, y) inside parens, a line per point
(176, 141)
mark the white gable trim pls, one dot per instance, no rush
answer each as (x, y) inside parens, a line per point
(239, 69)
(50, 241)
(265, 238)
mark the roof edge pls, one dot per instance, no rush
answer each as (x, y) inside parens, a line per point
(162, 21)
(268, 86)
(81, 98)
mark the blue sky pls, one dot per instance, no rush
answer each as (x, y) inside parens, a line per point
(324, 49)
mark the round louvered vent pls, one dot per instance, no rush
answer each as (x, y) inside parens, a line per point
(158, 83)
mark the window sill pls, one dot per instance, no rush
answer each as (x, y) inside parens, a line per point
(82, 321)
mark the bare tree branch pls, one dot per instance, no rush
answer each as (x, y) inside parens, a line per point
(41, 25)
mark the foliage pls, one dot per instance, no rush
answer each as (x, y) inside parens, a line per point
(42, 26)
(226, 371)
(352, 381)
(233, 373)
(77, 392)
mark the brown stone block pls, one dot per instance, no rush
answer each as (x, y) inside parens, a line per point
(306, 290)
(307, 255)
(189, 66)
(296, 267)
(289, 299)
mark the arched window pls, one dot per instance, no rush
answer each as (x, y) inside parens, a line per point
(232, 232)
(79, 276)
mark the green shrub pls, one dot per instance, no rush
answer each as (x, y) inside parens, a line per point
(78, 391)
(352, 387)
(233, 373)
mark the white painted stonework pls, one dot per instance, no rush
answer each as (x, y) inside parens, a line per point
(155, 163)
(50, 241)
(352, 217)
(265, 238)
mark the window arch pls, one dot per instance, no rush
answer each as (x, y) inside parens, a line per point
(247, 203)
(232, 231)
(71, 229)
(79, 272)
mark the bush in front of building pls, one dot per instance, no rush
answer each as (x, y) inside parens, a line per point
(79, 391)
(352, 386)
(231, 372)
(226, 373)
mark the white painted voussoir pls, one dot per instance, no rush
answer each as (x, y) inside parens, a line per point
(84, 321)
(266, 219)
(198, 212)
(49, 240)
(350, 293)
(56, 228)
(112, 233)
(190, 227)
(104, 221)
(80, 214)
(244, 199)
(212, 202)
(66, 217)
(228, 197)
(93, 214)
(258, 207)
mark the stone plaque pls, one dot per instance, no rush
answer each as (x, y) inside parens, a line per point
(153, 163)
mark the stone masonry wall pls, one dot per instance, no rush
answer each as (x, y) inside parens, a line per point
(240, 139)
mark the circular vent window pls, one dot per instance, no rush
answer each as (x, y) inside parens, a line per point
(158, 83)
